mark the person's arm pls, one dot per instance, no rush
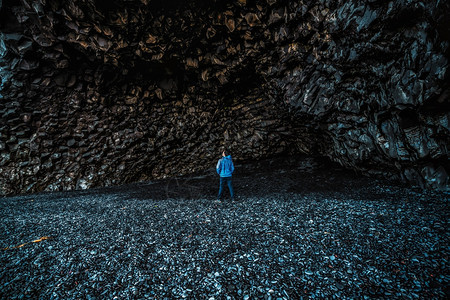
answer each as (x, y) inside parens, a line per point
(232, 167)
(219, 166)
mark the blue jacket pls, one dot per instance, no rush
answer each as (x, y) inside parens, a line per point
(225, 166)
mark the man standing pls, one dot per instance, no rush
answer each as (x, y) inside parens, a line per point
(225, 169)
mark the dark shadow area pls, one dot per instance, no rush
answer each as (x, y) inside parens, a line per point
(295, 174)
(168, 6)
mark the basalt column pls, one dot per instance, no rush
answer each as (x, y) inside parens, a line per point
(97, 93)
(374, 77)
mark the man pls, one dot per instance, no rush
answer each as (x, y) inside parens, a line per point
(225, 169)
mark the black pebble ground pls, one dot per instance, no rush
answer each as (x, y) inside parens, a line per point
(300, 229)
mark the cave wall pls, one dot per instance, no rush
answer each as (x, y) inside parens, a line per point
(98, 93)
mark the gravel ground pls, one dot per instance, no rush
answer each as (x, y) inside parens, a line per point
(301, 228)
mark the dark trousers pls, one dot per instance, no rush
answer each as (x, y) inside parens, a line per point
(223, 181)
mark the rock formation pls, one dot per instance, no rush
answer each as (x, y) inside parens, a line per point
(97, 93)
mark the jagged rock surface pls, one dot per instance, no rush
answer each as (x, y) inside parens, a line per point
(98, 93)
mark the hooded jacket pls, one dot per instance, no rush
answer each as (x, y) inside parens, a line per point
(225, 166)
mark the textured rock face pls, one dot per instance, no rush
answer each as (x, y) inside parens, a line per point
(98, 93)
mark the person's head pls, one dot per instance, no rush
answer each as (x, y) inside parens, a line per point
(226, 152)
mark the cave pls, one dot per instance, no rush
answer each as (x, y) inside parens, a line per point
(104, 93)
(114, 114)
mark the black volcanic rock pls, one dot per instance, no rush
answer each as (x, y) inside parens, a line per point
(316, 231)
(125, 91)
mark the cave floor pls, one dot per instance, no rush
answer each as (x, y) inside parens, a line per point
(300, 228)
